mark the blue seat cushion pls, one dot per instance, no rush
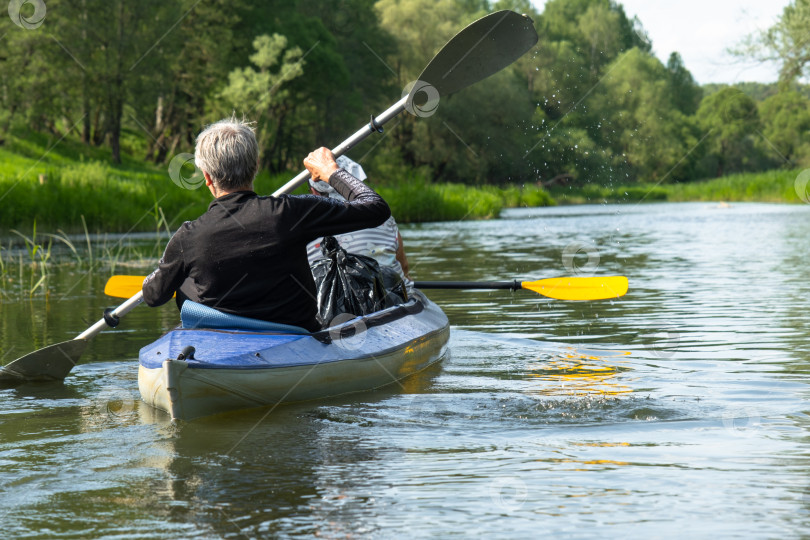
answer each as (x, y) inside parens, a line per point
(194, 315)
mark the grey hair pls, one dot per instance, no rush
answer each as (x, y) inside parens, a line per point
(228, 151)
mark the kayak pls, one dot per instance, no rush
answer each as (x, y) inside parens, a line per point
(215, 362)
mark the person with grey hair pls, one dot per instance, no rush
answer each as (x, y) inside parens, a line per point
(247, 254)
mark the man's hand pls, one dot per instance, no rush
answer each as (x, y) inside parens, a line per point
(321, 164)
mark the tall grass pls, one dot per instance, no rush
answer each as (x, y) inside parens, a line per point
(768, 186)
(80, 181)
(417, 200)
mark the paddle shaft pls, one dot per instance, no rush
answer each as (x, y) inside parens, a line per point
(120, 311)
(482, 285)
(481, 49)
(375, 125)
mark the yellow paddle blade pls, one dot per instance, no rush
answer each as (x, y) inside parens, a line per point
(124, 286)
(579, 288)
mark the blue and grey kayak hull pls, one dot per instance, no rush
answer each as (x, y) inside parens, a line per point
(235, 369)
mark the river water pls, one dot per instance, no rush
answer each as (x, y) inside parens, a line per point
(679, 410)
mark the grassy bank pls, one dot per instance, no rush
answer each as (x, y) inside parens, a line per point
(769, 186)
(56, 184)
(418, 200)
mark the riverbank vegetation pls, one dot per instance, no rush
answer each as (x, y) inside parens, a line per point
(769, 186)
(76, 189)
(95, 104)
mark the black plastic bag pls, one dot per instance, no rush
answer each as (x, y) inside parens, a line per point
(353, 284)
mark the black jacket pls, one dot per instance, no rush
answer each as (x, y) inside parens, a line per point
(247, 254)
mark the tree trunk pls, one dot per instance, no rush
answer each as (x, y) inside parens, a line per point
(175, 142)
(159, 115)
(117, 91)
(97, 135)
(86, 125)
(116, 111)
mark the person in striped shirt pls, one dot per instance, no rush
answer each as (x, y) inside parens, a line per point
(382, 243)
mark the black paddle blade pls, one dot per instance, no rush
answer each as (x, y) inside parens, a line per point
(481, 49)
(51, 363)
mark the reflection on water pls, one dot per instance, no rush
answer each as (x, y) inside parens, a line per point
(680, 409)
(580, 373)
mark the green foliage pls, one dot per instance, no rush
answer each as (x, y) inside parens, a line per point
(599, 26)
(138, 80)
(469, 141)
(110, 197)
(563, 148)
(417, 200)
(786, 42)
(646, 131)
(686, 93)
(343, 79)
(769, 186)
(521, 196)
(420, 28)
(786, 120)
(100, 197)
(729, 118)
(263, 92)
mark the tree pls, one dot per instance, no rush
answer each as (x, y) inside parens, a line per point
(563, 149)
(729, 119)
(786, 42)
(579, 39)
(264, 90)
(641, 123)
(686, 93)
(343, 81)
(359, 44)
(786, 125)
(116, 46)
(420, 28)
(25, 92)
(477, 136)
(561, 22)
(600, 28)
(180, 101)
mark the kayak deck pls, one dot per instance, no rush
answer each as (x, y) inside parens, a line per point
(235, 369)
